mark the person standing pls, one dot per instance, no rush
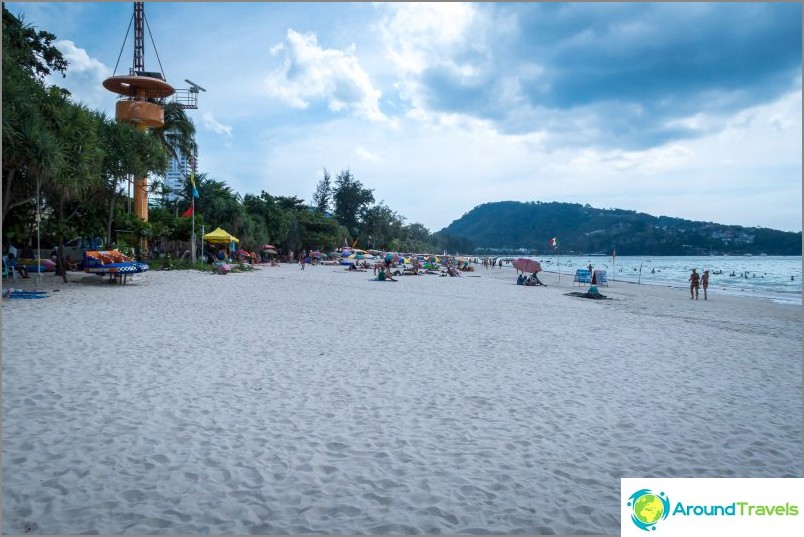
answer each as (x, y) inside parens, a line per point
(302, 260)
(695, 281)
(705, 282)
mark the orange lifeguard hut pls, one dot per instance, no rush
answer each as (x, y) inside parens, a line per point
(142, 97)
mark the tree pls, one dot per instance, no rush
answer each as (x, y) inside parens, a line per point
(383, 225)
(220, 205)
(126, 150)
(177, 135)
(29, 50)
(350, 199)
(323, 193)
(28, 56)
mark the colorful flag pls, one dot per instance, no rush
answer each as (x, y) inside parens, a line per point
(355, 243)
(192, 182)
(188, 212)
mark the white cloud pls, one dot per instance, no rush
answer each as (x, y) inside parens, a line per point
(311, 72)
(419, 35)
(367, 155)
(209, 122)
(84, 76)
(430, 36)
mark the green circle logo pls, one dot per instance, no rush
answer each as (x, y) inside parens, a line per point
(648, 508)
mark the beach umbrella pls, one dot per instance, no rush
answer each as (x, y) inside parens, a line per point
(268, 247)
(269, 251)
(316, 254)
(346, 253)
(526, 265)
(324, 256)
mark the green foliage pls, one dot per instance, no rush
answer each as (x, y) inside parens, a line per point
(29, 50)
(323, 193)
(381, 227)
(350, 197)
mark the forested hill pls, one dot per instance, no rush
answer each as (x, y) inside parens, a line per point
(582, 229)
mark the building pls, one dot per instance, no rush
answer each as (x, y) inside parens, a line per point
(178, 172)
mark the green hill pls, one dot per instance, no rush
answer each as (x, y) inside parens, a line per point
(512, 226)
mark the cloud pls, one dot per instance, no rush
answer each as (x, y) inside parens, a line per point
(628, 76)
(435, 37)
(367, 155)
(311, 73)
(209, 122)
(84, 76)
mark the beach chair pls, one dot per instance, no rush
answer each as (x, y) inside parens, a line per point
(10, 267)
(582, 276)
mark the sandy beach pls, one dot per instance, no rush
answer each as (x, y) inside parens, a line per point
(317, 401)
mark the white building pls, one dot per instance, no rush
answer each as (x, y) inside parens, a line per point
(176, 177)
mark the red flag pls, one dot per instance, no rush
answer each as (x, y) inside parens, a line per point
(188, 212)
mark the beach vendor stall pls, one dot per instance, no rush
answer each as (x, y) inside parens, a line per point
(221, 237)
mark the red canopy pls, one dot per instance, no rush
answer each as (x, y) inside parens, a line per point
(527, 265)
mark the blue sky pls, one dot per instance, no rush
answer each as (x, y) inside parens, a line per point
(690, 110)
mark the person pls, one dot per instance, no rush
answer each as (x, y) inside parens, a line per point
(520, 279)
(302, 261)
(385, 274)
(14, 264)
(534, 280)
(705, 282)
(590, 267)
(221, 254)
(70, 264)
(695, 280)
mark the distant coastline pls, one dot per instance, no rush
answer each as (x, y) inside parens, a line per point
(526, 228)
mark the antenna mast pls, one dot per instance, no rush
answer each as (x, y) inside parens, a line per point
(139, 37)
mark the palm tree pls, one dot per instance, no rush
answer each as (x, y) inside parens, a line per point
(177, 135)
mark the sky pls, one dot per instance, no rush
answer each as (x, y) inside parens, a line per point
(690, 110)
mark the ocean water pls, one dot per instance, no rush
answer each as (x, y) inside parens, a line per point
(760, 276)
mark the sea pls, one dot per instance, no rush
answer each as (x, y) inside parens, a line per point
(777, 278)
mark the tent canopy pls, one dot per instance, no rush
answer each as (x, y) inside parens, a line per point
(220, 236)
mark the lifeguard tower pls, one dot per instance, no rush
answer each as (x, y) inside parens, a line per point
(142, 97)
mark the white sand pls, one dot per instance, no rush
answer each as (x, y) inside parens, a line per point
(283, 401)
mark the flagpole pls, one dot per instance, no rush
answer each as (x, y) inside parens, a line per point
(192, 195)
(559, 263)
(613, 264)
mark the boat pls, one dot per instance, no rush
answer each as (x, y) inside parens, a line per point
(111, 262)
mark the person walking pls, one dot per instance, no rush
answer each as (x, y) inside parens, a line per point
(695, 281)
(705, 282)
